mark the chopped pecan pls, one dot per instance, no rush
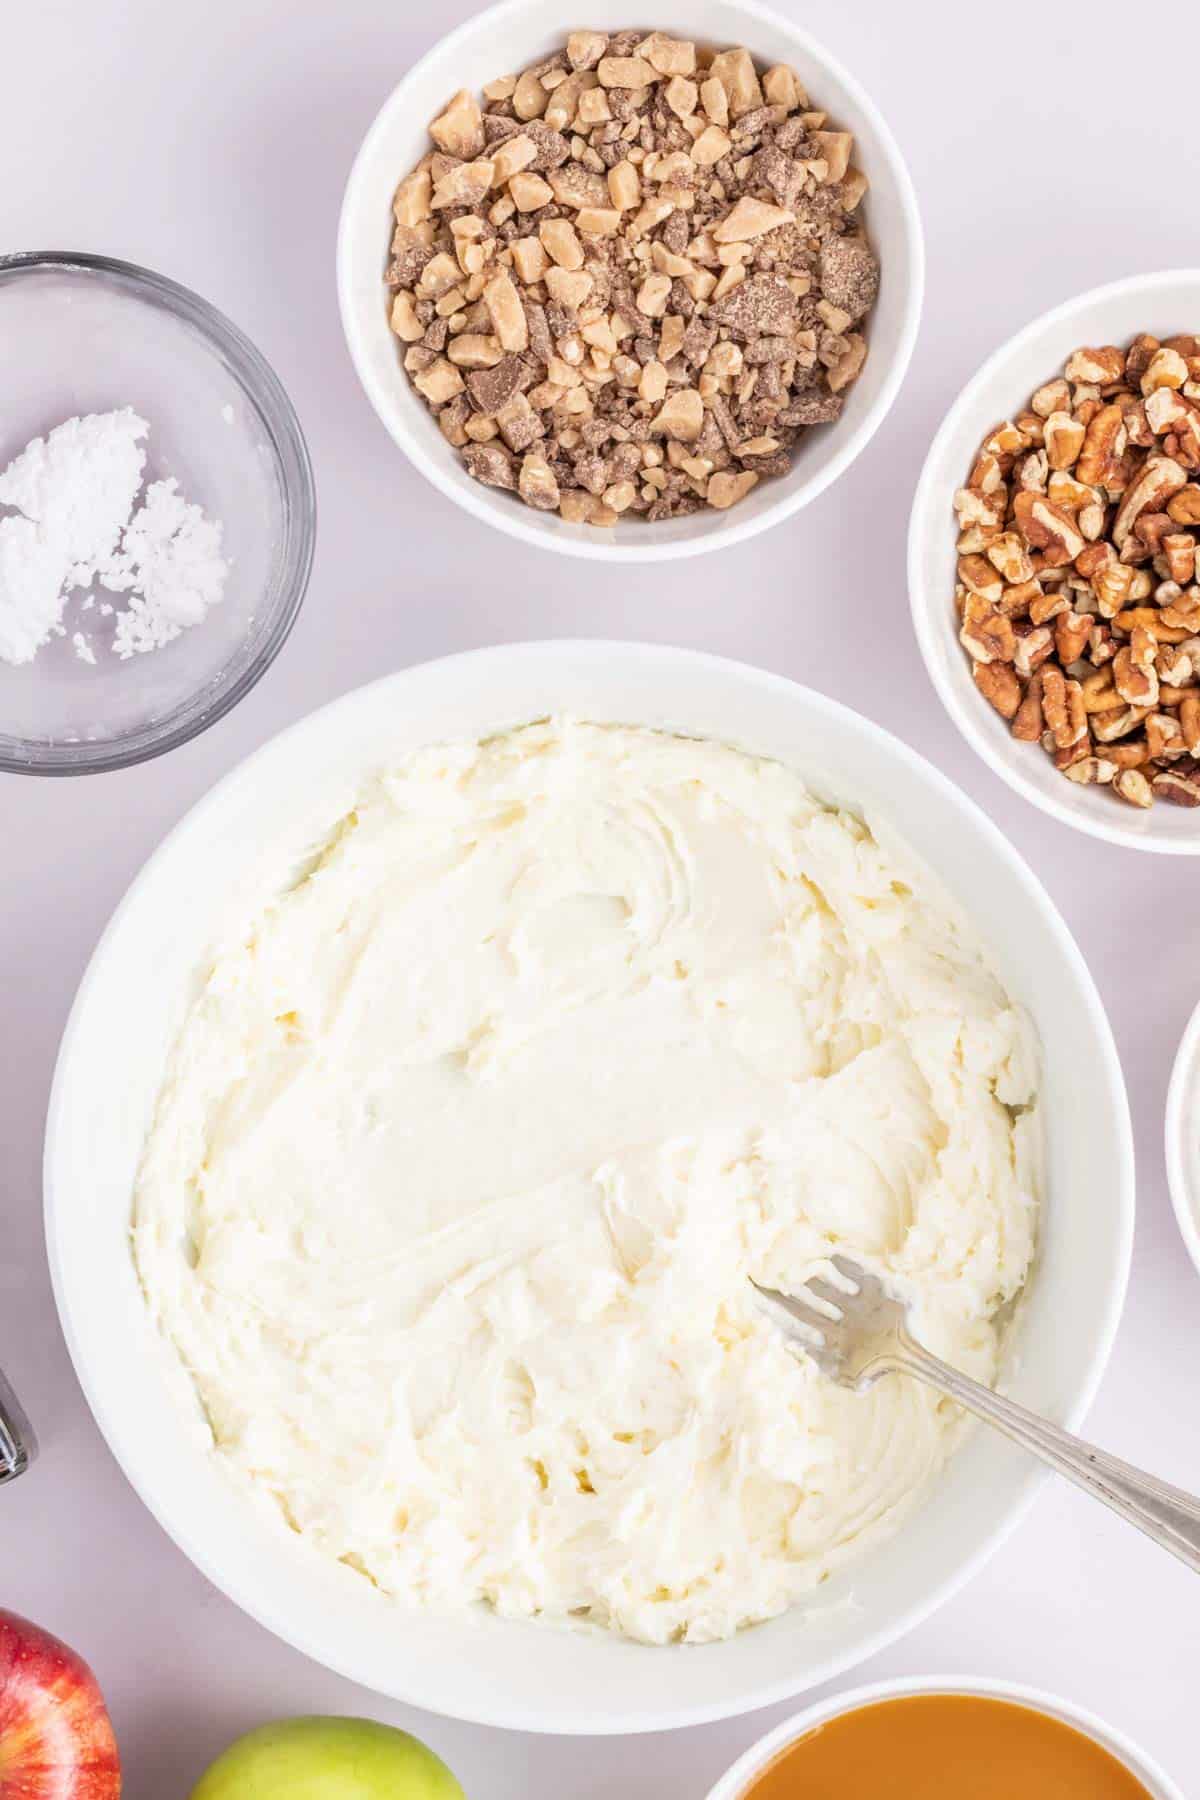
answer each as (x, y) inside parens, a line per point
(1008, 554)
(1089, 769)
(1152, 528)
(1063, 439)
(975, 507)
(1102, 646)
(1108, 727)
(1093, 558)
(1179, 550)
(1173, 666)
(999, 685)
(1047, 527)
(1030, 597)
(1166, 369)
(1164, 410)
(1054, 397)
(1132, 786)
(1177, 789)
(1032, 472)
(1164, 737)
(1099, 694)
(1154, 621)
(1184, 507)
(1137, 357)
(1130, 753)
(1028, 720)
(1032, 649)
(1112, 584)
(1096, 367)
(982, 577)
(1048, 597)
(987, 633)
(1103, 446)
(1072, 496)
(1136, 682)
(1066, 759)
(1072, 633)
(1159, 479)
(1062, 704)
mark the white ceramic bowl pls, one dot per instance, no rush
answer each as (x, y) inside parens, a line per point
(734, 1782)
(1163, 304)
(1183, 1136)
(498, 1671)
(508, 37)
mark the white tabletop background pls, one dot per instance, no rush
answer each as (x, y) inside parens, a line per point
(1052, 149)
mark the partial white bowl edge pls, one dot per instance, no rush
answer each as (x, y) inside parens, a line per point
(505, 38)
(1182, 1136)
(1163, 303)
(734, 1782)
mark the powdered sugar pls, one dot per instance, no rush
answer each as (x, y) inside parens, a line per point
(31, 589)
(78, 486)
(171, 557)
(75, 492)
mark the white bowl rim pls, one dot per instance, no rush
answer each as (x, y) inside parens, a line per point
(834, 1706)
(969, 718)
(1179, 1090)
(596, 547)
(121, 1440)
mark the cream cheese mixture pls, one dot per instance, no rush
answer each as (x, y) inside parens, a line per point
(472, 1138)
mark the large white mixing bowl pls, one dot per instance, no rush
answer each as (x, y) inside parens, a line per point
(481, 1667)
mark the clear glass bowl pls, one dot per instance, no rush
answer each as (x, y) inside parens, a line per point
(81, 334)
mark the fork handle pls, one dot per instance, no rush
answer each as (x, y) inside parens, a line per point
(1165, 1513)
(18, 1446)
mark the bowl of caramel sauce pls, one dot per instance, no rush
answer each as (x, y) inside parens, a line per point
(945, 1740)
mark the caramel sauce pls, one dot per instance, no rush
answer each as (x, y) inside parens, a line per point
(945, 1747)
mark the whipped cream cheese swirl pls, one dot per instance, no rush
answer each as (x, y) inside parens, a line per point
(470, 1141)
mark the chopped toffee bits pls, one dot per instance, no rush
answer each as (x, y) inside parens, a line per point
(1077, 572)
(631, 278)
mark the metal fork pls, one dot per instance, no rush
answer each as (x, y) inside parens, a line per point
(18, 1446)
(857, 1332)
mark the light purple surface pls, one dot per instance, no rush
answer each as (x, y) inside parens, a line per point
(211, 142)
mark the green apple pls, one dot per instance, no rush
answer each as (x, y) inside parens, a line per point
(327, 1759)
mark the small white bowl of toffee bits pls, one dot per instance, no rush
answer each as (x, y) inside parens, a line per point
(1053, 563)
(630, 293)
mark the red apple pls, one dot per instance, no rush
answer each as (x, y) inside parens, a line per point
(56, 1738)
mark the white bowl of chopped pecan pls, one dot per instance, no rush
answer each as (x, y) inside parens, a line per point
(630, 294)
(1059, 611)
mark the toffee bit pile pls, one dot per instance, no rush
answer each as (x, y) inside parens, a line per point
(631, 280)
(1077, 572)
